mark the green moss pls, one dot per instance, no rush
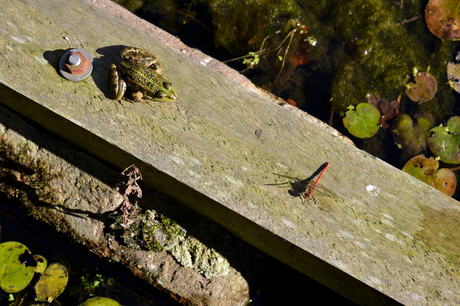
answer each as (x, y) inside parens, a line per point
(382, 51)
(236, 29)
(170, 228)
(132, 5)
(192, 253)
(149, 241)
(155, 246)
(149, 231)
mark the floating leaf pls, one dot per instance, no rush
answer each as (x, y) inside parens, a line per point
(17, 266)
(42, 263)
(443, 18)
(100, 301)
(426, 170)
(409, 136)
(51, 283)
(424, 89)
(453, 74)
(364, 122)
(388, 109)
(444, 141)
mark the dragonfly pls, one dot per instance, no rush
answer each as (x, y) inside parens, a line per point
(305, 188)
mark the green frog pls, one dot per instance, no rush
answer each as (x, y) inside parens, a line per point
(141, 73)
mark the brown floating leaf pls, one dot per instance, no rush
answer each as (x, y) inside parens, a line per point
(443, 18)
(388, 109)
(427, 170)
(424, 89)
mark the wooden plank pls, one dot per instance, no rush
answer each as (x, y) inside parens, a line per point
(371, 232)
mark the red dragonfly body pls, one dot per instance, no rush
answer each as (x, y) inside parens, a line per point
(311, 188)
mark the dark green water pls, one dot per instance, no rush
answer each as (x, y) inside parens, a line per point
(89, 276)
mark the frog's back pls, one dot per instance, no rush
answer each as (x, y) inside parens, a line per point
(146, 80)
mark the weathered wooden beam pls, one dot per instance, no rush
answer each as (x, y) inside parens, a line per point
(371, 232)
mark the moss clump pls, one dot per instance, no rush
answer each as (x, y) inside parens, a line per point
(170, 227)
(190, 252)
(155, 232)
(149, 240)
(148, 231)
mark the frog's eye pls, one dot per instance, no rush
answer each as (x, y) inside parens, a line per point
(155, 66)
(160, 94)
(167, 85)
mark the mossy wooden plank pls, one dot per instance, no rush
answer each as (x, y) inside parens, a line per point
(371, 232)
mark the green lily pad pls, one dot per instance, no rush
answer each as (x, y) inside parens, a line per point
(426, 170)
(51, 283)
(100, 301)
(444, 141)
(424, 89)
(443, 18)
(364, 122)
(17, 266)
(409, 136)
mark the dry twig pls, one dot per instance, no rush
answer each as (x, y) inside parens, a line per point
(130, 187)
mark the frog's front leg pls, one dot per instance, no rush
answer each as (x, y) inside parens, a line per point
(137, 96)
(116, 83)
